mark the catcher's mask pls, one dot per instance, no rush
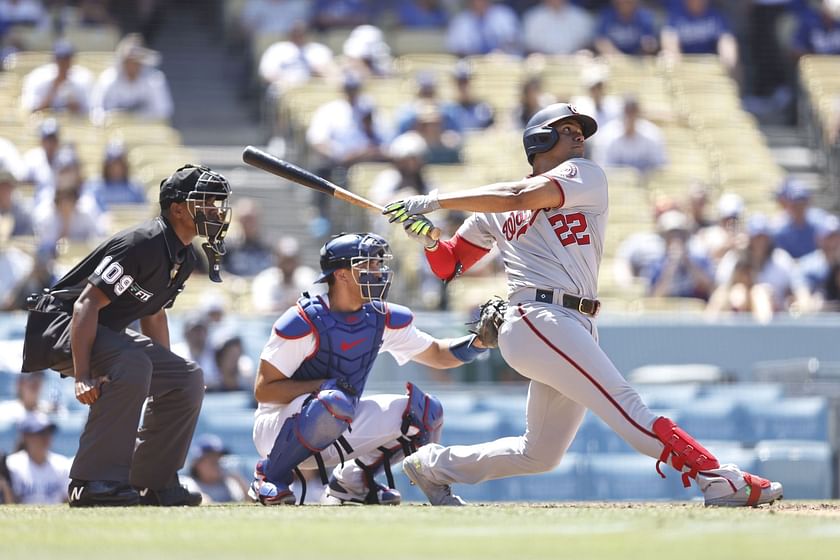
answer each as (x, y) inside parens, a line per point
(367, 255)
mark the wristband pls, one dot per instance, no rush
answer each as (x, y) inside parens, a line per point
(463, 349)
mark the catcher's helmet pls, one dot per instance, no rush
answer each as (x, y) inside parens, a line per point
(366, 251)
(539, 135)
(209, 193)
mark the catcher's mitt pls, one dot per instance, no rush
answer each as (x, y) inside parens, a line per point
(490, 319)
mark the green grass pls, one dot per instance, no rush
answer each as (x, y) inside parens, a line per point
(791, 530)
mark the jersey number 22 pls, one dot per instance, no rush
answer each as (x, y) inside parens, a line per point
(570, 228)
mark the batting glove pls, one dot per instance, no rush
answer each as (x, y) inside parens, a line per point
(401, 210)
(418, 228)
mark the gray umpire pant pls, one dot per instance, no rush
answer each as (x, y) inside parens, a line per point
(111, 447)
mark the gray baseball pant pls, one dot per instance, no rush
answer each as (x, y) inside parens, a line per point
(111, 447)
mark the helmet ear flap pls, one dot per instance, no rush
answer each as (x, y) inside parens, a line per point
(540, 139)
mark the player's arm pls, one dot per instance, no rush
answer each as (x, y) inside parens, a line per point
(272, 386)
(156, 327)
(83, 327)
(450, 352)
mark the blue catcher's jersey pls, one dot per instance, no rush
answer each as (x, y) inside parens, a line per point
(346, 344)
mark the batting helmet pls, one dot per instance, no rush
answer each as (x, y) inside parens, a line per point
(539, 135)
(366, 251)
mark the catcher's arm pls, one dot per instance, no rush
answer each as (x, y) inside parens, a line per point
(448, 353)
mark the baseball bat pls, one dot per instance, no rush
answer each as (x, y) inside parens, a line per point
(276, 166)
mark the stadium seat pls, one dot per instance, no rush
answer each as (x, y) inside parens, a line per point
(568, 481)
(476, 427)
(235, 429)
(804, 467)
(622, 476)
(793, 418)
(456, 403)
(745, 392)
(595, 436)
(511, 407)
(230, 401)
(66, 438)
(718, 418)
(668, 395)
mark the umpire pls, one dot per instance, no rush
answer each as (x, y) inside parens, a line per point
(79, 328)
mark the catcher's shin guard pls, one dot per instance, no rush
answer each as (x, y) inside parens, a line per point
(424, 412)
(683, 450)
(320, 422)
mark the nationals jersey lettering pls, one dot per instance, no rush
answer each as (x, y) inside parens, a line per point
(551, 247)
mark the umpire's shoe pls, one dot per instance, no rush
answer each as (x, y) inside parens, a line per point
(381, 495)
(438, 494)
(169, 497)
(93, 493)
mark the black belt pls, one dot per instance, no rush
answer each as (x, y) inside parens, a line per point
(586, 306)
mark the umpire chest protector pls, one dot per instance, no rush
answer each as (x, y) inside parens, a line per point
(346, 344)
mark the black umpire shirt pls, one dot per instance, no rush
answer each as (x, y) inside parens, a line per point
(141, 270)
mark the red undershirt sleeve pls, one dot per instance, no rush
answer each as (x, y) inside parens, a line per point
(454, 257)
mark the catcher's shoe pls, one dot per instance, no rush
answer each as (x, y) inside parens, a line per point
(438, 494)
(271, 494)
(259, 479)
(383, 496)
(99, 493)
(757, 491)
(169, 497)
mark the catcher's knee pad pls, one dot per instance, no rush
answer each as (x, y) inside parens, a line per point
(424, 412)
(320, 422)
(683, 450)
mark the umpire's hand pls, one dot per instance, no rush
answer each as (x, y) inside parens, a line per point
(88, 389)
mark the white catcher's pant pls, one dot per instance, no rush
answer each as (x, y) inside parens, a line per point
(377, 423)
(557, 349)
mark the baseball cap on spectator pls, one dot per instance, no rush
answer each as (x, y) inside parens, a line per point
(211, 443)
(408, 144)
(793, 191)
(48, 127)
(114, 150)
(672, 221)
(730, 205)
(63, 49)
(462, 71)
(132, 47)
(351, 81)
(366, 42)
(593, 75)
(36, 423)
(426, 83)
(758, 224)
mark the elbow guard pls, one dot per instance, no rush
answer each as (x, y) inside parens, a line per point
(463, 349)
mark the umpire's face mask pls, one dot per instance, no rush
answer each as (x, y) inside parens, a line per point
(211, 215)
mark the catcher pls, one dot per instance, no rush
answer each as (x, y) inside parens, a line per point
(313, 372)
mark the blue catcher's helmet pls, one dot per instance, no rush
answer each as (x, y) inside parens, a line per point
(540, 136)
(368, 253)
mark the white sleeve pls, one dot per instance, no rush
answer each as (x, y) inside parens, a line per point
(160, 102)
(405, 343)
(286, 354)
(477, 230)
(583, 184)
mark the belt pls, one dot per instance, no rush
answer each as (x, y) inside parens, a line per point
(589, 307)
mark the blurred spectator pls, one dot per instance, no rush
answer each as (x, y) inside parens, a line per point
(67, 214)
(532, 98)
(557, 27)
(6, 496)
(725, 235)
(796, 232)
(604, 108)
(466, 111)
(235, 369)
(41, 275)
(815, 266)
(696, 203)
(23, 12)
(10, 159)
(15, 266)
(769, 61)
(115, 186)
(484, 27)
(415, 14)
(38, 476)
(133, 85)
(15, 214)
(679, 272)
(742, 294)
(831, 290)
(427, 94)
(694, 27)
(142, 16)
(408, 157)
(196, 347)
(93, 13)
(247, 253)
(442, 146)
(332, 14)
(273, 17)
(366, 53)
(626, 28)
(277, 288)
(295, 60)
(59, 85)
(210, 478)
(636, 255)
(769, 264)
(40, 162)
(631, 141)
(27, 400)
(818, 31)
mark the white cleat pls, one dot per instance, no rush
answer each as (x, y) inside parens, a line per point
(758, 491)
(336, 493)
(438, 494)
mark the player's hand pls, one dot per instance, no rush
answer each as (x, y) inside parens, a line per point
(419, 228)
(88, 389)
(401, 210)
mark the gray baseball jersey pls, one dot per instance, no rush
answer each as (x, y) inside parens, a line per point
(552, 247)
